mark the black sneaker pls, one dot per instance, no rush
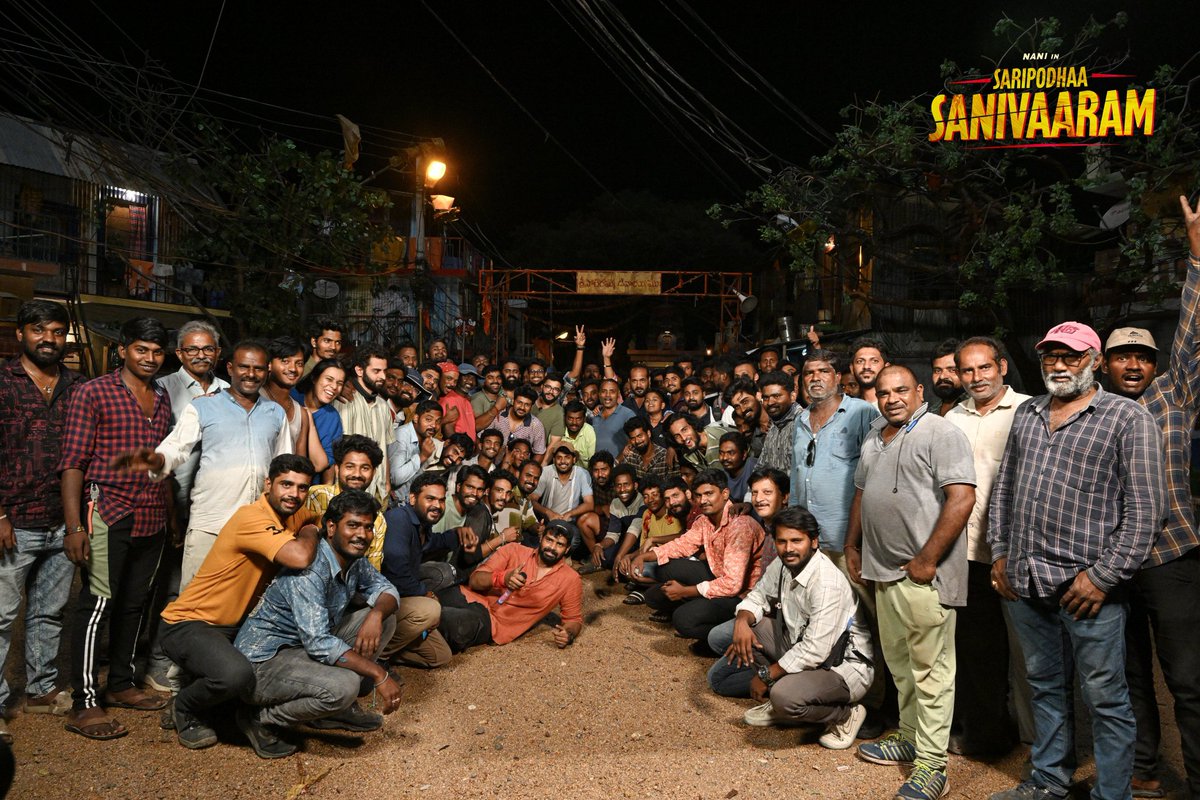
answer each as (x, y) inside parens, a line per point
(352, 719)
(661, 616)
(191, 732)
(264, 741)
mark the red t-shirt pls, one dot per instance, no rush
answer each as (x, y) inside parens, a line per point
(561, 586)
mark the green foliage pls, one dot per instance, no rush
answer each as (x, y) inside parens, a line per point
(279, 209)
(983, 230)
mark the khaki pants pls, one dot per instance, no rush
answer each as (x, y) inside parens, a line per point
(414, 616)
(917, 636)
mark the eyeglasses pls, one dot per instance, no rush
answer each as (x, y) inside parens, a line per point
(208, 350)
(1070, 359)
(812, 453)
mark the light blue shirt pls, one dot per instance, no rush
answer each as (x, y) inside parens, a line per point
(183, 389)
(304, 607)
(610, 433)
(236, 447)
(827, 487)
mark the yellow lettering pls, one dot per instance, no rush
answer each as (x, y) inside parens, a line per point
(1085, 116)
(939, 127)
(1000, 79)
(983, 116)
(1139, 114)
(1064, 117)
(1018, 108)
(1039, 117)
(1110, 115)
(957, 124)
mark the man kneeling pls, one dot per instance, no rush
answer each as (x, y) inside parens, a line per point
(298, 639)
(811, 661)
(512, 591)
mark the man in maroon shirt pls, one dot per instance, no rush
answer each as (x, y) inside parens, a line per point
(117, 539)
(35, 390)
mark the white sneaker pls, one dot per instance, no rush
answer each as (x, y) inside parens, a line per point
(841, 736)
(761, 716)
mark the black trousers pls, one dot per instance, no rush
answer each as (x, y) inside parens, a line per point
(982, 724)
(1164, 606)
(214, 671)
(696, 616)
(117, 582)
(464, 624)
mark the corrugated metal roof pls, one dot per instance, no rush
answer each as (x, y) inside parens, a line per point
(32, 145)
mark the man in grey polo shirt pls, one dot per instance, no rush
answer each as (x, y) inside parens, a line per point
(915, 487)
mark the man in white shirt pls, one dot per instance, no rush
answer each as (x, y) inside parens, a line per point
(981, 724)
(810, 661)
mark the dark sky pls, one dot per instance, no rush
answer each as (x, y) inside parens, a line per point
(393, 65)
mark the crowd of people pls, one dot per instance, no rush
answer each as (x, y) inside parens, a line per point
(275, 545)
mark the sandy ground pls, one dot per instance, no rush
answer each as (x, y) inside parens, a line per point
(623, 713)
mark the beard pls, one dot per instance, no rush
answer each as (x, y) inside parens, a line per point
(946, 390)
(1076, 386)
(549, 557)
(510, 383)
(44, 355)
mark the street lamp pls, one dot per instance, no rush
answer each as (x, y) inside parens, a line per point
(428, 169)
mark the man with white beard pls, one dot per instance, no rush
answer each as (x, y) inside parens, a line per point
(1077, 504)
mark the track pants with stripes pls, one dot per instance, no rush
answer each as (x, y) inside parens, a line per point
(116, 585)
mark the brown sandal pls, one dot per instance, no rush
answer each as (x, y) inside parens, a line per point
(57, 702)
(143, 702)
(100, 729)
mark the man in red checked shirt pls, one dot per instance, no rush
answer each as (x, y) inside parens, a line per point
(117, 538)
(696, 596)
(512, 591)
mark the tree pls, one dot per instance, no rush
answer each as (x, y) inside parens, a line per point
(980, 234)
(261, 220)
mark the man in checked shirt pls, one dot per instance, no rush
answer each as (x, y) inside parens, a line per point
(1165, 592)
(1077, 504)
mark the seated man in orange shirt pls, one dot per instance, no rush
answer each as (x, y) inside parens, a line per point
(274, 531)
(512, 591)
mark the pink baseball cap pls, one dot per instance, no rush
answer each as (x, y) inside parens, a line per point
(1074, 335)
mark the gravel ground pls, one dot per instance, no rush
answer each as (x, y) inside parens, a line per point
(623, 713)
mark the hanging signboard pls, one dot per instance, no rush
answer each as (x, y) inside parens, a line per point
(616, 282)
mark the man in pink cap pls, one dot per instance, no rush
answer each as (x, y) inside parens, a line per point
(453, 400)
(1077, 504)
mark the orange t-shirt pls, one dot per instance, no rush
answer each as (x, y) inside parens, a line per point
(561, 586)
(238, 567)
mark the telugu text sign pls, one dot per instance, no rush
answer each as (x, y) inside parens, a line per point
(611, 282)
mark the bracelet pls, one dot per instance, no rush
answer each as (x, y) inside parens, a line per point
(386, 676)
(3, 516)
(849, 547)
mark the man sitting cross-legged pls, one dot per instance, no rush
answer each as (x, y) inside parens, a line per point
(624, 519)
(514, 589)
(200, 625)
(310, 658)
(810, 661)
(693, 595)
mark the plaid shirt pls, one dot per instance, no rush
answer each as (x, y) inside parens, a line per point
(1088, 496)
(1173, 399)
(31, 435)
(657, 465)
(105, 419)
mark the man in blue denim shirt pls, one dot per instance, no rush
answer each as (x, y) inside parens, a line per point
(298, 640)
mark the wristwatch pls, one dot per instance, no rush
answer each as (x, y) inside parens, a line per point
(764, 675)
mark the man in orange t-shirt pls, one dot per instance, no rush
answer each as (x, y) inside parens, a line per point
(274, 531)
(511, 591)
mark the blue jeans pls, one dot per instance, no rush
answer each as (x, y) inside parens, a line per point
(41, 570)
(724, 678)
(1055, 644)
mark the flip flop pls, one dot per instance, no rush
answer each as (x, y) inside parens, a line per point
(146, 703)
(1157, 792)
(100, 730)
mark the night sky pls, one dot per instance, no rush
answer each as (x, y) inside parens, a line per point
(393, 65)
